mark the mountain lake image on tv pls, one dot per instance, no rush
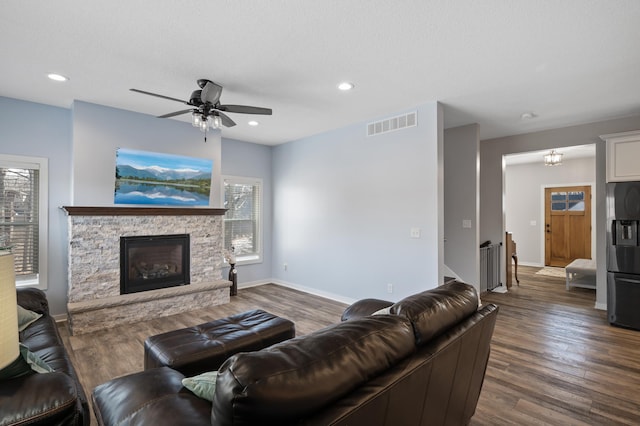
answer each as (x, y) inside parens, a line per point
(161, 179)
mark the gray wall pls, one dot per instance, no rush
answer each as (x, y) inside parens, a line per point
(344, 205)
(461, 185)
(252, 160)
(98, 131)
(491, 178)
(37, 130)
(524, 202)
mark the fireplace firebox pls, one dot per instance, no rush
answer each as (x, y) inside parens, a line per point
(153, 262)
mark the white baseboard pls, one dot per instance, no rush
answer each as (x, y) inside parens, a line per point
(254, 283)
(533, 264)
(316, 292)
(601, 306)
(499, 289)
(59, 318)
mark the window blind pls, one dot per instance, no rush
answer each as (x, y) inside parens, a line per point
(19, 221)
(242, 220)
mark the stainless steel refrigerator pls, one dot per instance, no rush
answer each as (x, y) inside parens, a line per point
(623, 254)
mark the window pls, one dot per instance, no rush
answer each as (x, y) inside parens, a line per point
(23, 220)
(242, 227)
(567, 201)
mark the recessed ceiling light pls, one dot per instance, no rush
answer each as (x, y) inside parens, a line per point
(57, 77)
(253, 123)
(527, 116)
(345, 85)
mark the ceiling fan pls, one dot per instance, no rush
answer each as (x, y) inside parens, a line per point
(206, 110)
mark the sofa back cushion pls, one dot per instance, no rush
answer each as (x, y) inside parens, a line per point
(438, 385)
(293, 379)
(434, 311)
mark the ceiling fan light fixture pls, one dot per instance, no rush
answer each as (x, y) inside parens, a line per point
(553, 158)
(196, 119)
(204, 125)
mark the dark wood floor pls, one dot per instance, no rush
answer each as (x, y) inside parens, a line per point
(555, 360)
(103, 355)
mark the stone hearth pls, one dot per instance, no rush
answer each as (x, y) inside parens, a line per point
(94, 299)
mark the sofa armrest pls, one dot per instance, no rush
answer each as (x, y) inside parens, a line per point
(33, 299)
(39, 399)
(364, 307)
(151, 397)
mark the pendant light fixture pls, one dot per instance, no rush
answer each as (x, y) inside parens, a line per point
(553, 158)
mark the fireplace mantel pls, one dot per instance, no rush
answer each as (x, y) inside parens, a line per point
(141, 211)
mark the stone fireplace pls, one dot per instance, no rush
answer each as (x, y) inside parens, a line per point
(94, 296)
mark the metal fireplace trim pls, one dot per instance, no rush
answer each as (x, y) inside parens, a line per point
(127, 242)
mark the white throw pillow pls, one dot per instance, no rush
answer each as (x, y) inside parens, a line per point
(202, 385)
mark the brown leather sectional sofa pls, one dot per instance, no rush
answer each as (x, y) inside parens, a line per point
(55, 398)
(421, 361)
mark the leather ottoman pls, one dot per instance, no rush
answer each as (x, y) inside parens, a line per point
(205, 347)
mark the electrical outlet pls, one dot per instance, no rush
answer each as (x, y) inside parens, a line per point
(415, 232)
(389, 288)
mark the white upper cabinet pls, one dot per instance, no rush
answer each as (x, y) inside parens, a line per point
(623, 156)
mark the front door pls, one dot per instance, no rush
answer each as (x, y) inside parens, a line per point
(567, 224)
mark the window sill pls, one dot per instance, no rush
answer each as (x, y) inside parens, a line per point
(246, 260)
(34, 282)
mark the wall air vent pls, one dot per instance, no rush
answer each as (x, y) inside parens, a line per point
(392, 124)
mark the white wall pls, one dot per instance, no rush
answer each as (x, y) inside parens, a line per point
(344, 205)
(461, 203)
(492, 226)
(524, 202)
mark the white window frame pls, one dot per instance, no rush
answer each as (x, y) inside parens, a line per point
(258, 256)
(42, 164)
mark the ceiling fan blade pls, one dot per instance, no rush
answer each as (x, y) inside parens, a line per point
(226, 120)
(211, 93)
(245, 109)
(159, 96)
(173, 114)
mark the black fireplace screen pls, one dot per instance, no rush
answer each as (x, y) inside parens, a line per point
(153, 262)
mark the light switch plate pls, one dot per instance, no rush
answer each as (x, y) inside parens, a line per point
(466, 223)
(415, 232)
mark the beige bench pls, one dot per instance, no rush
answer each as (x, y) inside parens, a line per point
(581, 273)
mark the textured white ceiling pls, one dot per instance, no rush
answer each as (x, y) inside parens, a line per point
(568, 61)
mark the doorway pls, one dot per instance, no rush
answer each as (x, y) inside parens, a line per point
(525, 179)
(567, 224)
